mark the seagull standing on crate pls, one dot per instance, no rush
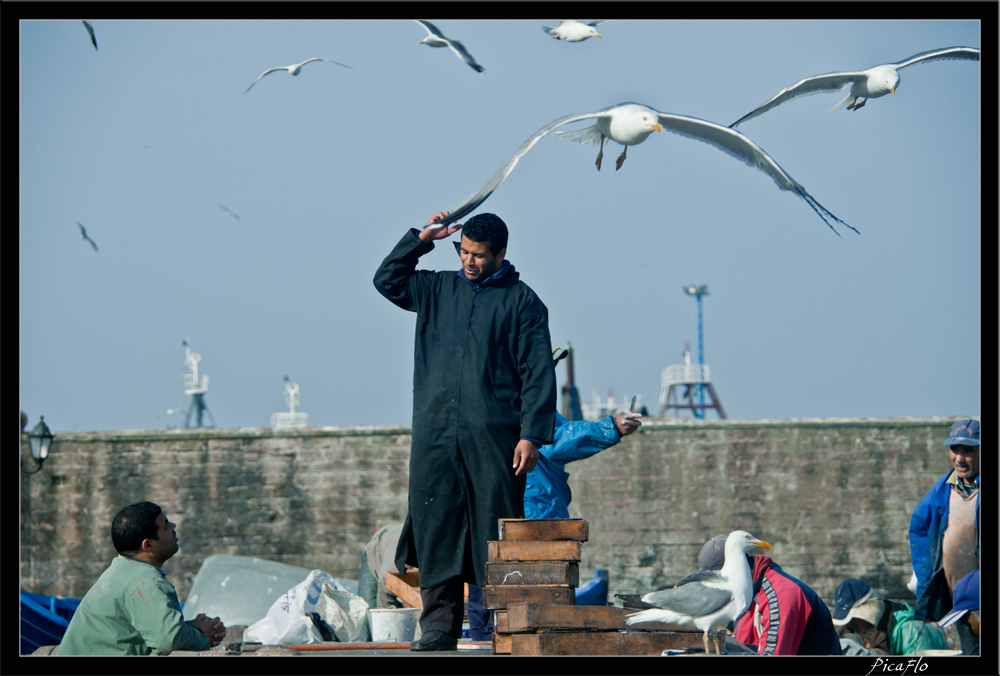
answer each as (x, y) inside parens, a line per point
(708, 599)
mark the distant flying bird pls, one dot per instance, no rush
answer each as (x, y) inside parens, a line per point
(865, 84)
(629, 124)
(293, 69)
(574, 31)
(83, 235)
(708, 599)
(228, 212)
(435, 38)
(90, 29)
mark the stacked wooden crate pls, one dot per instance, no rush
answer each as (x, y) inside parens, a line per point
(532, 574)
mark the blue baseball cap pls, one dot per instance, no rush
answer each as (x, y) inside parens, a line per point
(966, 598)
(850, 595)
(964, 433)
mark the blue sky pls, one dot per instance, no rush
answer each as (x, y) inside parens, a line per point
(142, 139)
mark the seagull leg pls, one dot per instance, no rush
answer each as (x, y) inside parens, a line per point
(706, 639)
(600, 155)
(854, 103)
(860, 105)
(718, 635)
(621, 159)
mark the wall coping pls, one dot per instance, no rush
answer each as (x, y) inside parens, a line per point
(648, 424)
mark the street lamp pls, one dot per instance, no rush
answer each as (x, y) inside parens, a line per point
(698, 292)
(40, 439)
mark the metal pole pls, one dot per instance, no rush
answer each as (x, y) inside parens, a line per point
(700, 413)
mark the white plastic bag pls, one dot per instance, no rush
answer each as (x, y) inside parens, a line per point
(344, 612)
(287, 621)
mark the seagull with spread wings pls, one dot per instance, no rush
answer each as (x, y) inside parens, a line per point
(228, 212)
(435, 38)
(629, 124)
(293, 69)
(575, 31)
(83, 235)
(865, 84)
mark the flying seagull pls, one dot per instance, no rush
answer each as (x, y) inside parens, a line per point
(83, 235)
(435, 38)
(629, 124)
(708, 599)
(865, 84)
(293, 69)
(90, 29)
(228, 212)
(574, 31)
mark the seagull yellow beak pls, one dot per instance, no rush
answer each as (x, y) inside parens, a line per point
(763, 545)
(598, 35)
(893, 90)
(658, 127)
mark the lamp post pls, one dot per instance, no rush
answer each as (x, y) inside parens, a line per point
(698, 292)
(40, 439)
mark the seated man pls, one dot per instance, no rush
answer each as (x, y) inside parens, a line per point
(132, 609)
(884, 627)
(966, 609)
(785, 617)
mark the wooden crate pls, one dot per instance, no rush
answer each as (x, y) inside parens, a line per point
(533, 572)
(549, 594)
(501, 644)
(544, 529)
(603, 642)
(527, 550)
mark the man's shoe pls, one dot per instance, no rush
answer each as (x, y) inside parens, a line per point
(435, 640)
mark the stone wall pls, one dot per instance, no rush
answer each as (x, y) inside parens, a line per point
(833, 496)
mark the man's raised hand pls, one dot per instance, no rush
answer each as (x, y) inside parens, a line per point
(432, 231)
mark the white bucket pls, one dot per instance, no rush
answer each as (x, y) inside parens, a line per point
(393, 625)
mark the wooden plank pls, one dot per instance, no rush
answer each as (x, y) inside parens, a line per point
(533, 572)
(549, 595)
(526, 550)
(500, 621)
(603, 643)
(406, 587)
(544, 529)
(531, 617)
(501, 644)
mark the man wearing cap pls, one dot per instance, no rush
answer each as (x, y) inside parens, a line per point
(966, 610)
(944, 530)
(785, 617)
(884, 627)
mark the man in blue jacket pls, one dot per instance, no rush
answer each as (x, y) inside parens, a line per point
(547, 494)
(944, 529)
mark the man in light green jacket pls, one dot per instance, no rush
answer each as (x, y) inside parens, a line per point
(132, 609)
(884, 627)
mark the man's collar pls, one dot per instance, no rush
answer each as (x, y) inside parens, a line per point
(492, 278)
(162, 572)
(962, 487)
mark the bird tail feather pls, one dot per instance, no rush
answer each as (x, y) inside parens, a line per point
(548, 29)
(653, 615)
(842, 104)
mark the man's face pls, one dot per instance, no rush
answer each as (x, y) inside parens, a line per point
(965, 460)
(477, 261)
(168, 544)
(972, 619)
(872, 637)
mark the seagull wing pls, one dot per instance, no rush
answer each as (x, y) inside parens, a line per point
(83, 234)
(816, 84)
(599, 21)
(463, 54)
(431, 29)
(90, 29)
(964, 53)
(695, 599)
(742, 148)
(266, 72)
(480, 196)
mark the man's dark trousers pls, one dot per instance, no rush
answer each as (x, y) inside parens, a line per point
(444, 606)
